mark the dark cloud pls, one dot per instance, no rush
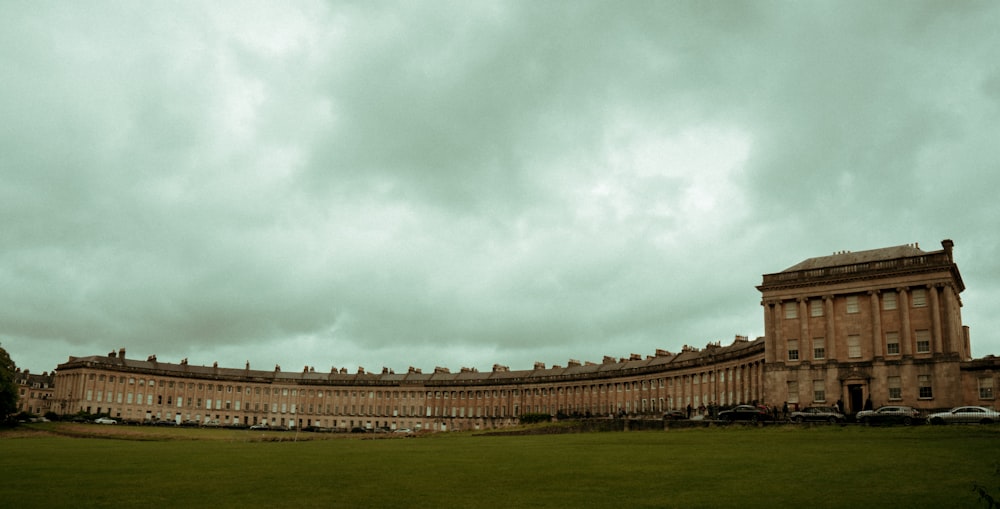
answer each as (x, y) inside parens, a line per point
(337, 184)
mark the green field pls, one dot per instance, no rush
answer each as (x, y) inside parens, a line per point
(735, 466)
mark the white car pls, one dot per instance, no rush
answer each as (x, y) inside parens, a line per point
(105, 420)
(965, 414)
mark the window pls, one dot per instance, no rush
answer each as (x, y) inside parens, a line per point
(854, 346)
(793, 392)
(819, 391)
(923, 341)
(819, 348)
(924, 385)
(793, 349)
(791, 310)
(919, 298)
(816, 307)
(895, 388)
(852, 304)
(986, 388)
(892, 343)
(889, 300)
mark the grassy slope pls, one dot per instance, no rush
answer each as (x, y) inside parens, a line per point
(717, 467)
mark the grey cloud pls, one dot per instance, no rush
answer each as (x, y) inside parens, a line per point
(459, 184)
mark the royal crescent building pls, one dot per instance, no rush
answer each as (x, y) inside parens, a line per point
(867, 328)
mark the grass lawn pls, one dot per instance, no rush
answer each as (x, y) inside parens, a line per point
(734, 466)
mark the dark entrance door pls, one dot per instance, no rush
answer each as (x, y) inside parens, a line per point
(856, 397)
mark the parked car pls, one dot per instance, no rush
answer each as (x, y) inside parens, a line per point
(105, 420)
(744, 413)
(674, 415)
(404, 430)
(818, 414)
(259, 426)
(892, 414)
(965, 414)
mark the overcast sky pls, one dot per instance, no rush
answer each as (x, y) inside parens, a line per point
(458, 184)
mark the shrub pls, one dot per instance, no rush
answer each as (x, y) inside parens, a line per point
(534, 418)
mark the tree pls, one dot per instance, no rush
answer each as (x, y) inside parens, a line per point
(8, 389)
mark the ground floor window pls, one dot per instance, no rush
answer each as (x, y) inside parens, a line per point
(895, 388)
(819, 391)
(924, 385)
(986, 388)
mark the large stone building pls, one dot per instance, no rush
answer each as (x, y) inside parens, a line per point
(882, 325)
(150, 390)
(34, 392)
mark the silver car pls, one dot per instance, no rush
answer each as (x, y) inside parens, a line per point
(818, 414)
(965, 414)
(892, 414)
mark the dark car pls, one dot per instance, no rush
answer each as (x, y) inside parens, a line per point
(818, 414)
(674, 415)
(892, 414)
(744, 413)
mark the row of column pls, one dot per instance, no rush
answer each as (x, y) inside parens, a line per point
(773, 323)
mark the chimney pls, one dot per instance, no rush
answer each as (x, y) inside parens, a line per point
(121, 353)
(948, 245)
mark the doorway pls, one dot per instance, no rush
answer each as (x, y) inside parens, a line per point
(855, 398)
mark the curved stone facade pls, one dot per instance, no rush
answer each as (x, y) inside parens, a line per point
(149, 390)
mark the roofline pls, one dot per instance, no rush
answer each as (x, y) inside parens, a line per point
(737, 350)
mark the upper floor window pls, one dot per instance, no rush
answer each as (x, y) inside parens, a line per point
(819, 348)
(919, 298)
(889, 300)
(923, 341)
(791, 310)
(852, 304)
(892, 343)
(854, 346)
(793, 349)
(816, 307)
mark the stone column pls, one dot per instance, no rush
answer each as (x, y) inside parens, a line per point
(936, 319)
(770, 346)
(904, 321)
(953, 328)
(876, 324)
(779, 340)
(831, 331)
(804, 342)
